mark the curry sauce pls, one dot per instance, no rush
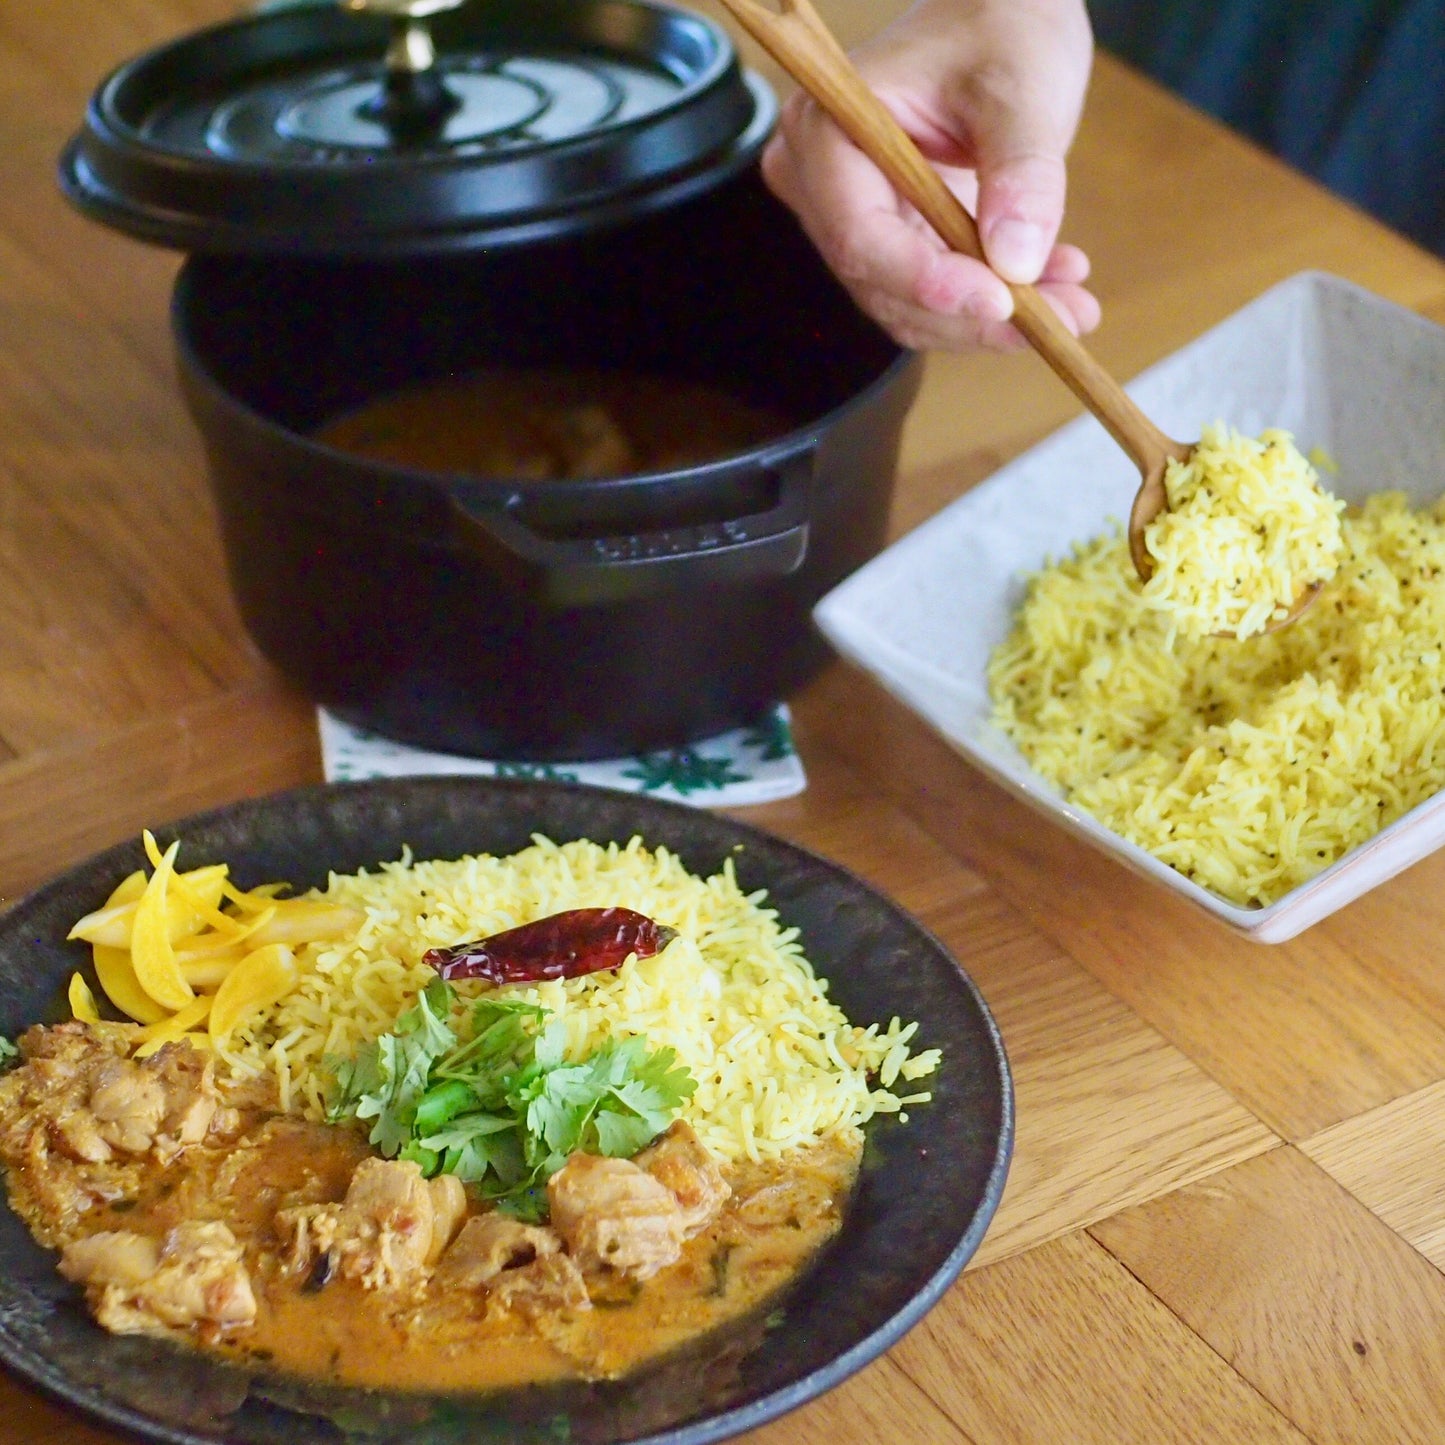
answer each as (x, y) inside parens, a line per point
(272, 1240)
(543, 425)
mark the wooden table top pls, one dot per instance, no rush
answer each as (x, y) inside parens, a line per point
(1225, 1219)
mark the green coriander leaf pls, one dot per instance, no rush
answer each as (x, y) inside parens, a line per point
(528, 1205)
(428, 1159)
(501, 1046)
(622, 1058)
(674, 1082)
(440, 1103)
(505, 1107)
(621, 1135)
(648, 1103)
(413, 1069)
(549, 1122)
(389, 1077)
(391, 1130)
(551, 1042)
(354, 1078)
(483, 1156)
(428, 1020)
(467, 1127)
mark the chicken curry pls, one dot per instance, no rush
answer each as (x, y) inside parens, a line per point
(191, 1207)
(538, 425)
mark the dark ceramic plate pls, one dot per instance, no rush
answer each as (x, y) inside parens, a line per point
(927, 1190)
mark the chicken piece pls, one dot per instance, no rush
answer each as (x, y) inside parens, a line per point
(113, 1257)
(78, 1133)
(73, 1044)
(79, 1085)
(795, 1202)
(56, 1188)
(81, 1121)
(589, 443)
(681, 1161)
(615, 1216)
(449, 1208)
(380, 1234)
(128, 1102)
(490, 1244)
(521, 1266)
(193, 1103)
(136, 1285)
(551, 1284)
(49, 1092)
(164, 1104)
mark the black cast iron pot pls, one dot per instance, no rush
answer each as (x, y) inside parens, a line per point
(553, 620)
(539, 183)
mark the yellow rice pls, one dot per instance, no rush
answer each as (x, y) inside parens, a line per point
(1248, 767)
(1248, 528)
(776, 1062)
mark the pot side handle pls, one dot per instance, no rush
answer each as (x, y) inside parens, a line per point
(595, 571)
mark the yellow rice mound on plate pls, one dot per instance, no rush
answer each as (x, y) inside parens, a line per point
(777, 1063)
(1248, 528)
(1248, 767)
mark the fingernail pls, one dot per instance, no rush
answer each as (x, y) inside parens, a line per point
(1017, 250)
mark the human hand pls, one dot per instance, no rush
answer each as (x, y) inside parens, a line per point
(990, 90)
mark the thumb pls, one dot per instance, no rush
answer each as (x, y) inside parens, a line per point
(1021, 183)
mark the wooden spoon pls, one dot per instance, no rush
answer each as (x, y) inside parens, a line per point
(802, 44)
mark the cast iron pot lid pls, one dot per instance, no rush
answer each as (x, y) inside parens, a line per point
(405, 127)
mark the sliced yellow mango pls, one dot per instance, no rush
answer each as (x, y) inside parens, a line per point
(254, 899)
(235, 939)
(155, 1037)
(204, 916)
(202, 886)
(128, 889)
(109, 925)
(206, 971)
(152, 953)
(206, 945)
(117, 977)
(200, 889)
(82, 1001)
(308, 920)
(185, 914)
(262, 978)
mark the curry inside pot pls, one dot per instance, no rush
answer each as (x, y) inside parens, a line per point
(200, 1212)
(552, 425)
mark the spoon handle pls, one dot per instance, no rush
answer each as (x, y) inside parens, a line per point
(802, 44)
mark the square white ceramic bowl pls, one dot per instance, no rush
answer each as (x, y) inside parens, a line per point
(1339, 367)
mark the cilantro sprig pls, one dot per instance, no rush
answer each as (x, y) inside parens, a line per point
(504, 1107)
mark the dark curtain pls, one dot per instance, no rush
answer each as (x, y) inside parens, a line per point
(1349, 91)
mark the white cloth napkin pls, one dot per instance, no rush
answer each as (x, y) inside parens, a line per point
(748, 765)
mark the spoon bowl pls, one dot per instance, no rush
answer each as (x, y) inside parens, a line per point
(796, 37)
(1149, 502)
(1152, 499)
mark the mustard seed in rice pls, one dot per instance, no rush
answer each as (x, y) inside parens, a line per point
(1248, 528)
(1248, 767)
(777, 1063)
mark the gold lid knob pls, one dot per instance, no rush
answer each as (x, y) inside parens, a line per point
(411, 51)
(401, 9)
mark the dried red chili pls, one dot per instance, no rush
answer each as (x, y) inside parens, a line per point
(566, 945)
